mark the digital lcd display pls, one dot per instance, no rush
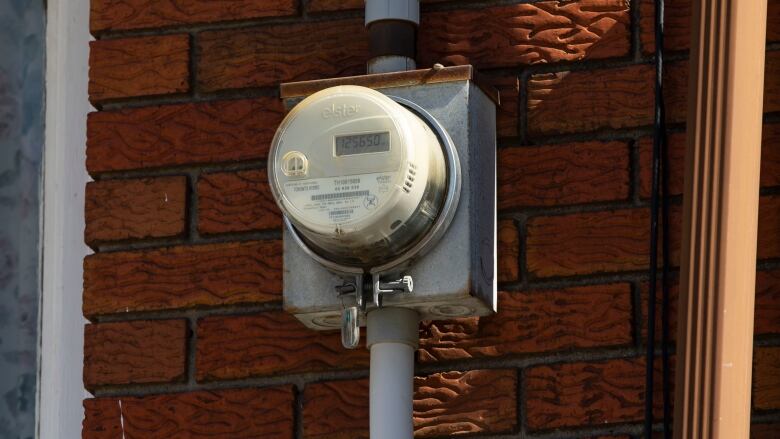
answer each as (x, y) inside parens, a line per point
(362, 143)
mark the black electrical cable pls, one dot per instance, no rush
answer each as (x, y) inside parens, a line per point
(660, 182)
(665, 285)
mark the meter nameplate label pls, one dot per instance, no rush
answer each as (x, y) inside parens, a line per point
(338, 200)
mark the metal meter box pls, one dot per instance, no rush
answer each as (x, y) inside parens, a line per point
(456, 276)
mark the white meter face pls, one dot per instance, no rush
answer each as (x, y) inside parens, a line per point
(360, 176)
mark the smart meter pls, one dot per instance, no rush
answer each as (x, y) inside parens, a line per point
(360, 177)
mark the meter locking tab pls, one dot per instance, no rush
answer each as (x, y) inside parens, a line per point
(350, 328)
(350, 314)
(399, 286)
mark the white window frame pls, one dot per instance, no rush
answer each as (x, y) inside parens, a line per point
(60, 355)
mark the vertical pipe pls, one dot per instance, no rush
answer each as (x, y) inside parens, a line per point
(720, 219)
(392, 332)
(392, 338)
(392, 27)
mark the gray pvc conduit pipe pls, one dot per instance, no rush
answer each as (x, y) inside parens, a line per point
(393, 334)
(393, 338)
(392, 27)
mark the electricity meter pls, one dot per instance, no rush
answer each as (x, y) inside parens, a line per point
(387, 186)
(362, 178)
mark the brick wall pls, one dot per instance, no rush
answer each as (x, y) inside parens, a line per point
(187, 337)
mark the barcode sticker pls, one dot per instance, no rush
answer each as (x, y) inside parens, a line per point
(338, 200)
(337, 195)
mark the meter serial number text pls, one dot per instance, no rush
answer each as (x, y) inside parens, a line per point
(346, 184)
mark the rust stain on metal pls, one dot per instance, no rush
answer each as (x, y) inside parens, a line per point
(395, 79)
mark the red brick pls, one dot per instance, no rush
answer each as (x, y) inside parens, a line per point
(508, 251)
(512, 35)
(135, 209)
(770, 160)
(336, 410)
(767, 319)
(676, 155)
(174, 135)
(271, 343)
(183, 277)
(236, 202)
(767, 313)
(263, 57)
(344, 5)
(588, 242)
(562, 174)
(603, 99)
(773, 22)
(581, 394)
(473, 402)
(677, 24)
(674, 293)
(770, 155)
(141, 66)
(450, 403)
(769, 227)
(507, 112)
(594, 242)
(764, 431)
(675, 91)
(766, 378)
(334, 5)
(534, 322)
(139, 14)
(103, 419)
(237, 414)
(569, 102)
(772, 82)
(134, 352)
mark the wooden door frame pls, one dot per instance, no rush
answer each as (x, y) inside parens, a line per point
(720, 219)
(61, 331)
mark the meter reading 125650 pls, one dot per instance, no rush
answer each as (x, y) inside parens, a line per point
(362, 143)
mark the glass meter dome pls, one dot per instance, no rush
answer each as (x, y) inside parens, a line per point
(360, 177)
